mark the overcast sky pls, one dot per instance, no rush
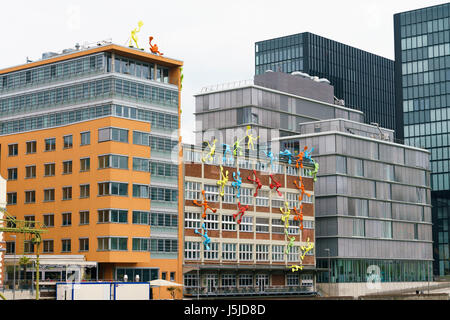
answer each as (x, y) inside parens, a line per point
(214, 39)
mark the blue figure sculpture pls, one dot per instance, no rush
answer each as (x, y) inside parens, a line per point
(288, 154)
(308, 154)
(237, 183)
(227, 150)
(271, 157)
(204, 235)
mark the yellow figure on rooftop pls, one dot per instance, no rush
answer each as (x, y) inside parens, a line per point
(250, 138)
(223, 181)
(212, 151)
(133, 36)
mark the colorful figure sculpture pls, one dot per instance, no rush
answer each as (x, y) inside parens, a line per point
(302, 188)
(298, 216)
(305, 249)
(154, 47)
(295, 268)
(316, 169)
(257, 181)
(288, 154)
(241, 212)
(204, 235)
(211, 152)
(237, 147)
(286, 213)
(134, 36)
(271, 157)
(291, 242)
(308, 154)
(250, 139)
(237, 183)
(227, 150)
(181, 78)
(222, 182)
(299, 158)
(275, 184)
(204, 204)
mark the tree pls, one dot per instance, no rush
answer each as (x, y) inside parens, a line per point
(24, 261)
(172, 291)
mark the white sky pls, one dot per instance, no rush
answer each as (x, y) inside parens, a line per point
(214, 39)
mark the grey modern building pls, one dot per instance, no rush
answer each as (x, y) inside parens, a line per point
(372, 195)
(373, 204)
(275, 102)
(422, 82)
(365, 81)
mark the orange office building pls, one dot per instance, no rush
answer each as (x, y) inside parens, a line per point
(89, 144)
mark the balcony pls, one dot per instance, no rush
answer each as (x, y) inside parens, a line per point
(268, 291)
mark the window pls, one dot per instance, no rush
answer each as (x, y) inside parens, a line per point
(140, 164)
(10, 247)
(49, 169)
(262, 199)
(12, 173)
(228, 280)
(113, 134)
(30, 172)
(308, 224)
(341, 164)
(84, 217)
(229, 195)
(31, 147)
(28, 246)
(67, 219)
(68, 142)
(246, 224)
(66, 245)
(228, 223)
(112, 216)
(50, 144)
(84, 244)
(359, 168)
(292, 279)
(112, 188)
(386, 229)
(30, 196)
(163, 194)
(191, 250)
(49, 195)
(262, 252)
(140, 244)
(85, 164)
(262, 225)
(246, 196)
(49, 220)
(192, 190)
(141, 217)
(213, 252)
(190, 280)
(212, 221)
(172, 276)
(245, 280)
(160, 168)
(113, 161)
(84, 191)
(292, 199)
(85, 138)
(140, 191)
(141, 138)
(192, 220)
(277, 253)
(47, 246)
(359, 228)
(211, 193)
(163, 245)
(293, 254)
(67, 167)
(67, 193)
(11, 198)
(229, 251)
(112, 244)
(162, 219)
(277, 226)
(13, 150)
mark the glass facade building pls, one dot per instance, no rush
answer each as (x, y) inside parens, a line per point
(365, 81)
(422, 82)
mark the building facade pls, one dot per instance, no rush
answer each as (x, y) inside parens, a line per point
(253, 256)
(422, 82)
(373, 203)
(273, 104)
(365, 81)
(89, 145)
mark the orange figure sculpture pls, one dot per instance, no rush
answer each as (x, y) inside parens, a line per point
(302, 188)
(204, 204)
(154, 47)
(299, 158)
(298, 216)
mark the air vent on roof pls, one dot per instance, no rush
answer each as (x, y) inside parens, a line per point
(68, 50)
(47, 55)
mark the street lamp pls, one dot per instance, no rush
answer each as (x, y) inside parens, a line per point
(14, 277)
(329, 271)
